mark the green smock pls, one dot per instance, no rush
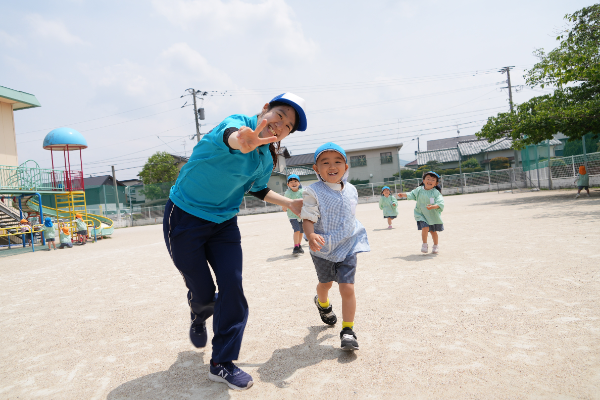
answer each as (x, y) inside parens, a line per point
(290, 194)
(389, 205)
(423, 198)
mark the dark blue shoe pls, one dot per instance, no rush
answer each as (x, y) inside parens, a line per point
(228, 373)
(198, 334)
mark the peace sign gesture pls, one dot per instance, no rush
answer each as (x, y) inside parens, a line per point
(247, 139)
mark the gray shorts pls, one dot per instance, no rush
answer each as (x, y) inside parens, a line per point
(341, 272)
(296, 225)
(83, 232)
(432, 228)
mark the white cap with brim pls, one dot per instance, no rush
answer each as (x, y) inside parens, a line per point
(297, 103)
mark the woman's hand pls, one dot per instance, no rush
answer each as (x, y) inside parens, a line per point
(295, 206)
(315, 241)
(248, 139)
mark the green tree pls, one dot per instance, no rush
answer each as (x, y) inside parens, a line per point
(499, 163)
(470, 163)
(574, 69)
(159, 168)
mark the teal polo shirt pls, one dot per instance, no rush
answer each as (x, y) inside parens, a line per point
(212, 184)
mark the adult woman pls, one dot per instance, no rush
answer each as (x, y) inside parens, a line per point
(200, 223)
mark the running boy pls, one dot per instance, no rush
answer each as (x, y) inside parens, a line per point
(388, 203)
(49, 232)
(295, 192)
(335, 236)
(428, 210)
(81, 228)
(583, 182)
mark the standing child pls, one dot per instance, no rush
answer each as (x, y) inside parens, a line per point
(583, 182)
(428, 210)
(335, 236)
(388, 203)
(65, 238)
(49, 232)
(81, 227)
(25, 228)
(295, 192)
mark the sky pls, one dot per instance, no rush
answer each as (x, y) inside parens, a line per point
(372, 73)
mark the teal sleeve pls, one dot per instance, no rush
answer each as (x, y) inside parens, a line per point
(412, 195)
(439, 200)
(381, 202)
(261, 183)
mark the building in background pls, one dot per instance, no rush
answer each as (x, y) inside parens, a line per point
(11, 100)
(447, 143)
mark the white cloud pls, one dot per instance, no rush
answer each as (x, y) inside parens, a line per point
(53, 30)
(269, 26)
(8, 40)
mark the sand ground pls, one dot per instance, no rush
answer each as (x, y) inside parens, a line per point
(508, 310)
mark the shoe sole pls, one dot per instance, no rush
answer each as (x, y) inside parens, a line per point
(216, 378)
(349, 347)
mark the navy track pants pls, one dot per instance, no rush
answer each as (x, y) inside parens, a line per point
(193, 244)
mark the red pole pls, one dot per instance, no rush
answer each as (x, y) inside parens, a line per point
(66, 172)
(81, 160)
(70, 177)
(53, 177)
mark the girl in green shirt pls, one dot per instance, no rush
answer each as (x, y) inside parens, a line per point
(295, 192)
(428, 210)
(388, 203)
(49, 232)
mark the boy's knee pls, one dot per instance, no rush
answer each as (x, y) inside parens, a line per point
(346, 289)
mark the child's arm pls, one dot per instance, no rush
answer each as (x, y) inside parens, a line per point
(394, 201)
(315, 241)
(381, 202)
(438, 202)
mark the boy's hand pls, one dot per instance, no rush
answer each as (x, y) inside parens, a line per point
(401, 195)
(432, 206)
(296, 206)
(315, 241)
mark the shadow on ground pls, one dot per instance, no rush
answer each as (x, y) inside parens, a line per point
(284, 363)
(186, 378)
(416, 257)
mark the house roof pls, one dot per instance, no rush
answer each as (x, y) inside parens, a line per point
(179, 159)
(411, 163)
(300, 159)
(440, 155)
(100, 180)
(476, 146)
(447, 142)
(19, 100)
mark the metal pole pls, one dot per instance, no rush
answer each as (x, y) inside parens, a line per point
(372, 190)
(537, 165)
(584, 152)
(490, 181)
(41, 217)
(193, 91)
(549, 170)
(460, 168)
(573, 165)
(116, 193)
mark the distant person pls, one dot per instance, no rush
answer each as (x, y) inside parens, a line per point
(428, 210)
(49, 232)
(335, 236)
(25, 229)
(200, 224)
(294, 192)
(389, 205)
(583, 181)
(81, 227)
(65, 238)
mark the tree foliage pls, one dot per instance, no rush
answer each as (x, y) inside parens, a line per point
(574, 69)
(499, 163)
(470, 163)
(158, 173)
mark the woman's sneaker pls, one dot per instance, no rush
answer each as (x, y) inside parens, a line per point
(424, 248)
(231, 375)
(349, 340)
(198, 335)
(327, 314)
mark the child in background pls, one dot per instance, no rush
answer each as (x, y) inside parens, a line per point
(583, 182)
(388, 203)
(25, 228)
(65, 238)
(428, 210)
(49, 232)
(295, 192)
(81, 227)
(335, 236)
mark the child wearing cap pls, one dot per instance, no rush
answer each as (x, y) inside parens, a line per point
(295, 192)
(65, 238)
(81, 227)
(388, 204)
(335, 236)
(49, 232)
(200, 223)
(428, 210)
(25, 228)
(583, 181)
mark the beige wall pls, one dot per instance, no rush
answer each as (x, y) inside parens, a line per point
(8, 141)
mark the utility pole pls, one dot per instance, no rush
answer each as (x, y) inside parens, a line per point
(116, 193)
(510, 101)
(197, 110)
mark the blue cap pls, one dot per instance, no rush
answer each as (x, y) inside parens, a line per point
(330, 147)
(432, 173)
(297, 103)
(293, 176)
(48, 222)
(385, 187)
